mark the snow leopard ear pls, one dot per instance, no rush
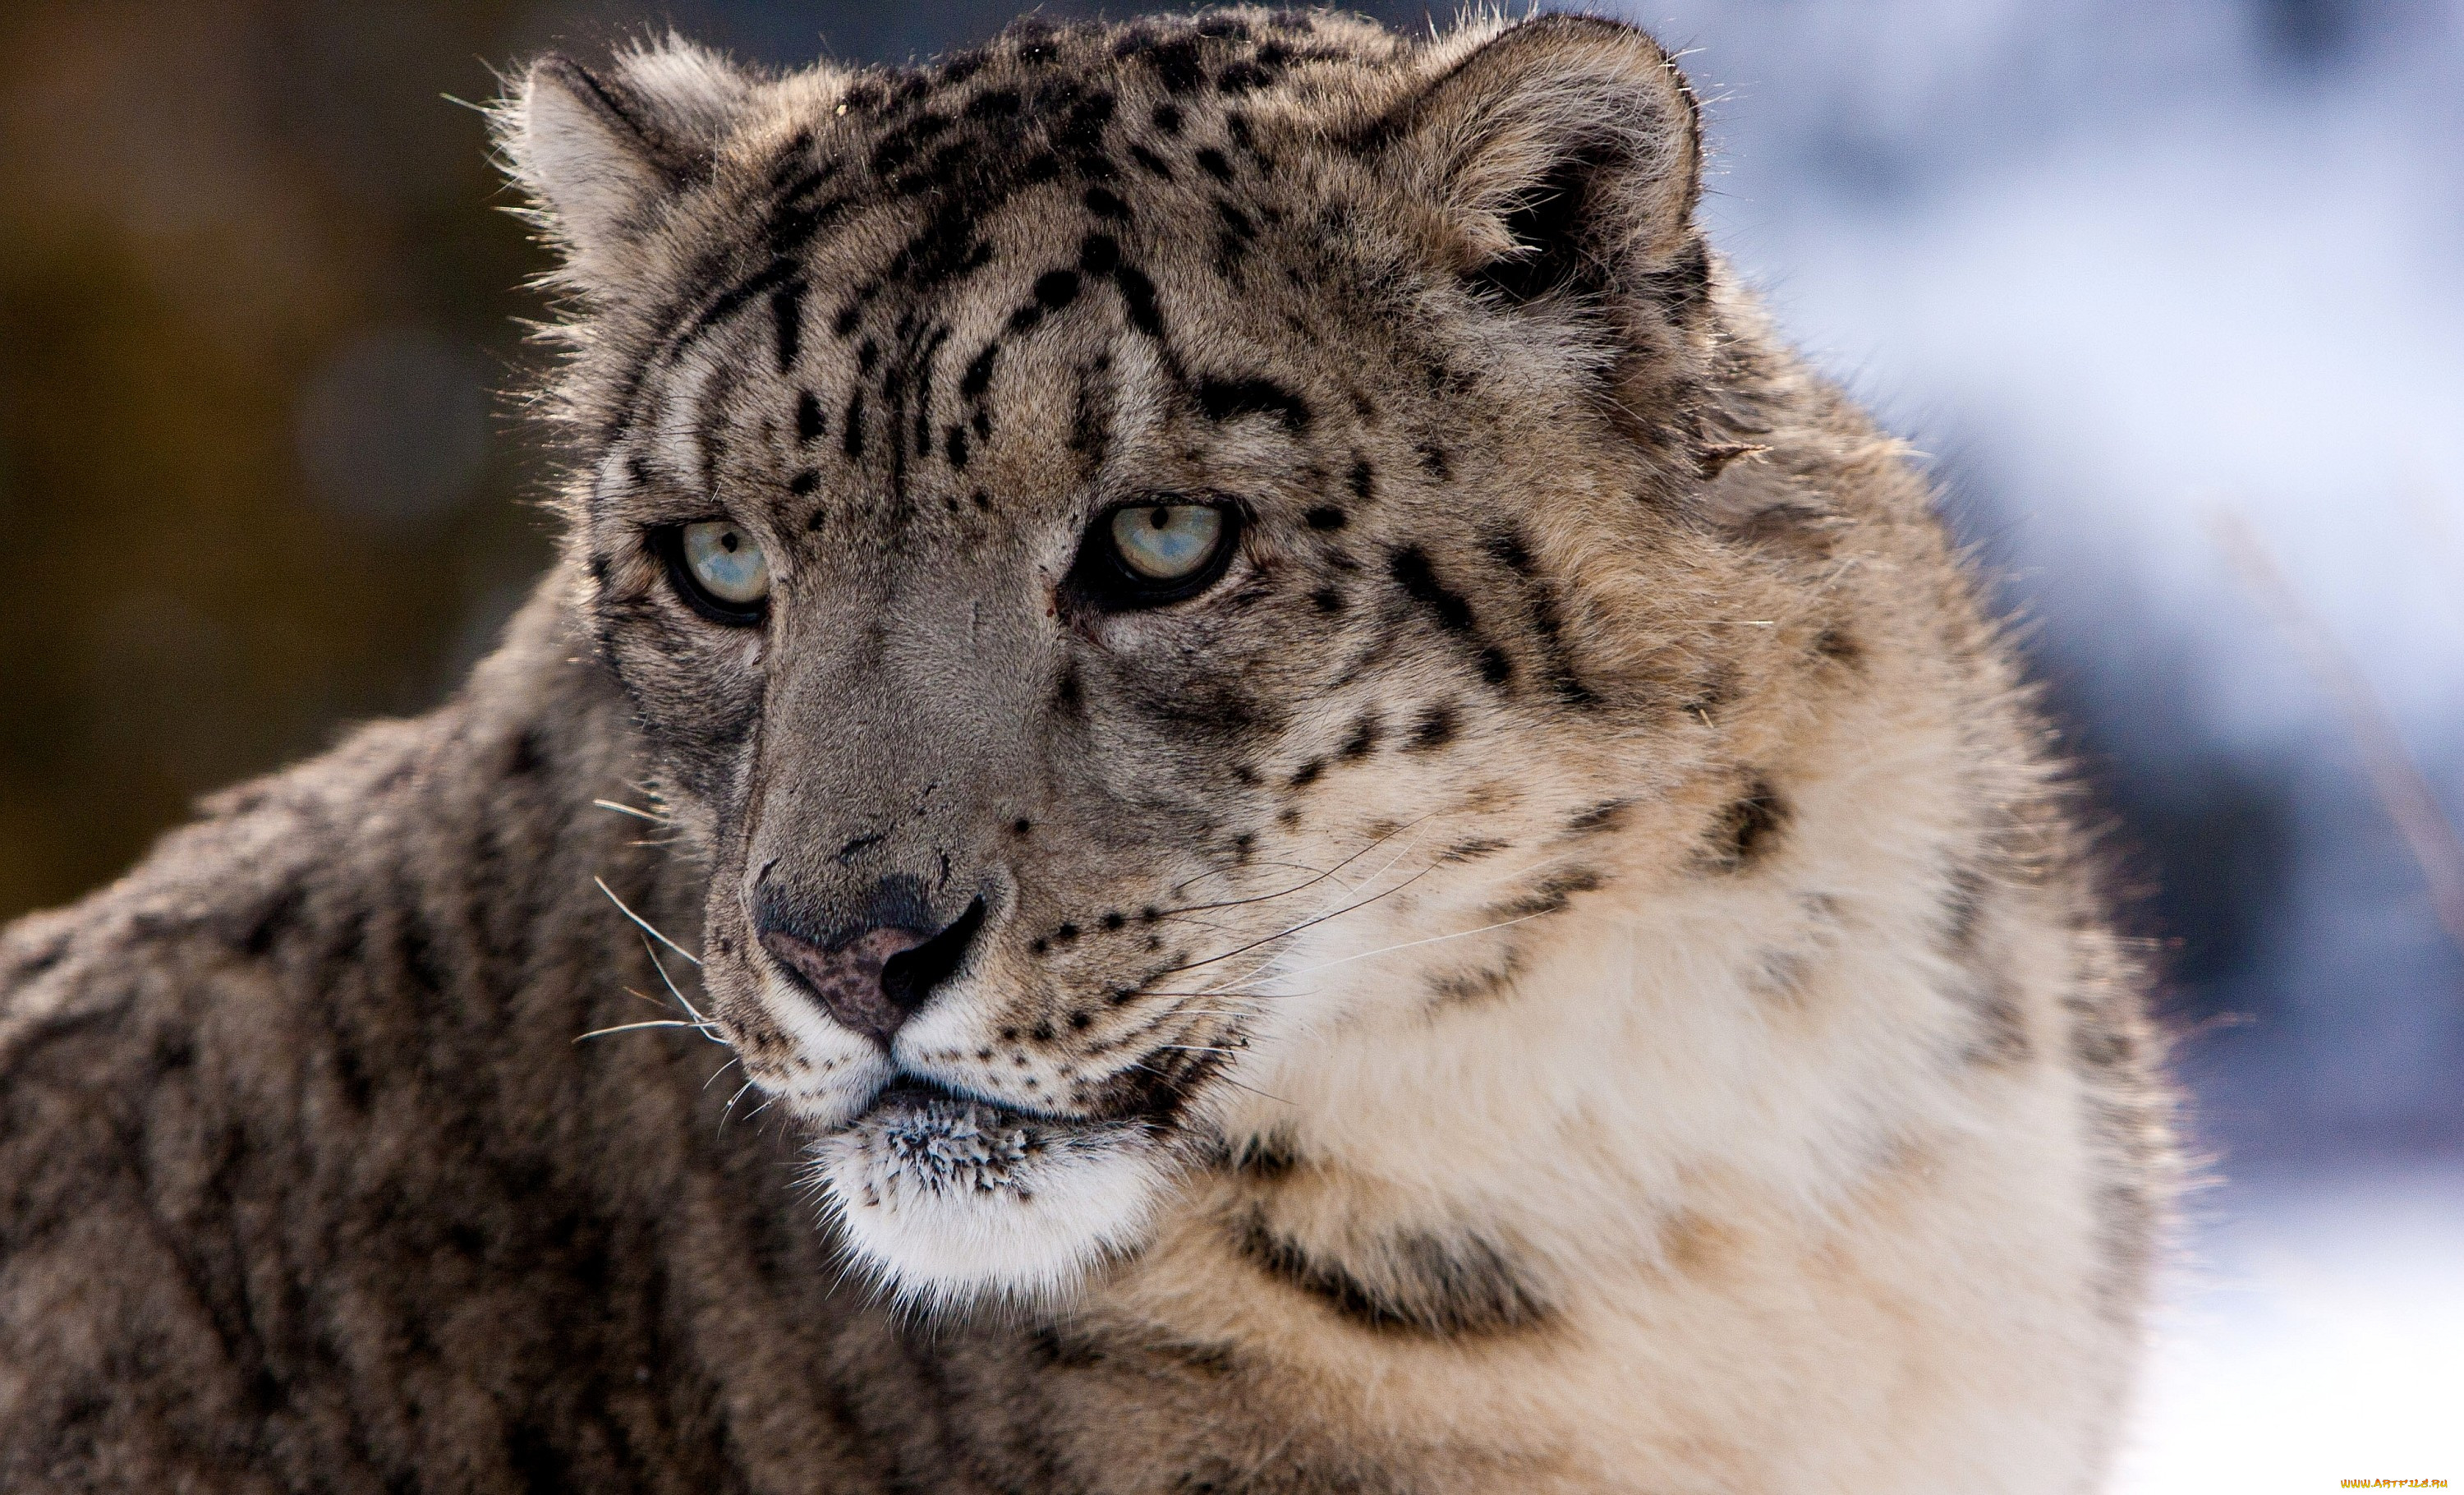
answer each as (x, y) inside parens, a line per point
(603, 153)
(1566, 155)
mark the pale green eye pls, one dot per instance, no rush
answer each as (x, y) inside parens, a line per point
(726, 562)
(1167, 542)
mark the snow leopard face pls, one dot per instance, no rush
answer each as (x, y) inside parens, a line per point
(1141, 547)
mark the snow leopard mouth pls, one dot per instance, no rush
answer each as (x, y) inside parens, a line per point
(947, 1197)
(930, 1137)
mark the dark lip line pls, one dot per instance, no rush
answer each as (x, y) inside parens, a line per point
(1162, 1116)
(906, 1084)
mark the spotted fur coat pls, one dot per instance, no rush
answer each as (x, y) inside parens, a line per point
(1251, 797)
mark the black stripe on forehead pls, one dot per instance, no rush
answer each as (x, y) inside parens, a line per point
(961, 145)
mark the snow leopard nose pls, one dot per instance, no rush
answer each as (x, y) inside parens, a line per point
(872, 978)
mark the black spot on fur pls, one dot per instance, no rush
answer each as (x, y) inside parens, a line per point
(272, 920)
(1411, 570)
(803, 482)
(1238, 123)
(1056, 288)
(1099, 254)
(1557, 660)
(979, 376)
(1963, 908)
(1363, 739)
(1229, 399)
(1421, 1283)
(1308, 773)
(925, 362)
(1434, 460)
(1749, 830)
(1606, 816)
(1138, 296)
(1177, 66)
(1363, 480)
(1465, 988)
(1105, 203)
(1081, 126)
(997, 103)
(1327, 600)
(1839, 646)
(1153, 165)
(1325, 517)
(787, 320)
(1510, 550)
(1215, 163)
(1067, 694)
(953, 447)
(1270, 1158)
(851, 427)
(1553, 894)
(810, 425)
(1435, 729)
(2001, 1037)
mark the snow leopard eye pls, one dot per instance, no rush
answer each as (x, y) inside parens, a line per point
(1167, 542)
(1157, 551)
(717, 567)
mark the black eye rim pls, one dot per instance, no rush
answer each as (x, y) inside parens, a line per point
(1101, 575)
(667, 542)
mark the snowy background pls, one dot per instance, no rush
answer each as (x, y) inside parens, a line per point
(2130, 273)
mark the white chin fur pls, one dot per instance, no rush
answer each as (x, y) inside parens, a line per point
(950, 1202)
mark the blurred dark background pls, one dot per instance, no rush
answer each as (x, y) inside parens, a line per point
(2121, 269)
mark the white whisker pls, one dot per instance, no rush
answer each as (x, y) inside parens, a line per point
(1305, 924)
(646, 926)
(1460, 934)
(675, 990)
(630, 1028)
(730, 1105)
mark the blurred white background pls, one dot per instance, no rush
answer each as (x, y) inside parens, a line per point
(2123, 268)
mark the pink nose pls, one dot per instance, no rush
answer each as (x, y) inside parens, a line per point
(849, 980)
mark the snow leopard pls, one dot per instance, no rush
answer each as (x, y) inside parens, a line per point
(1227, 783)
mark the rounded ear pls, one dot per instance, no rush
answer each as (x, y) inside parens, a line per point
(602, 153)
(1566, 153)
